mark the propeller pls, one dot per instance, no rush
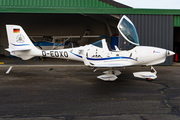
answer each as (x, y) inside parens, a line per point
(169, 53)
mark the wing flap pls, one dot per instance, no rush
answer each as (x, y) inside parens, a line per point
(110, 65)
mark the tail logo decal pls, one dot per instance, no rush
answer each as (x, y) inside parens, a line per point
(20, 39)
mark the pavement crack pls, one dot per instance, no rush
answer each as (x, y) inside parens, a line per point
(174, 109)
(142, 117)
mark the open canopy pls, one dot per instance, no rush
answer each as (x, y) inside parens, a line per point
(128, 30)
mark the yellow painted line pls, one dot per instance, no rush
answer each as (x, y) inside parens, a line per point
(1, 62)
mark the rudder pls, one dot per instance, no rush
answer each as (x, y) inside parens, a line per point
(19, 43)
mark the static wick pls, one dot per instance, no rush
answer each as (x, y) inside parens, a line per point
(9, 70)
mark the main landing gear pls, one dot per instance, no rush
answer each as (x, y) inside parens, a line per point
(109, 75)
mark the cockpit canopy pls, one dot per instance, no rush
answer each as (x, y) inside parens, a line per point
(98, 44)
(128, 30)
(102, 44)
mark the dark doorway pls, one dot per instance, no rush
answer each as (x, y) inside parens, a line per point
(177, 42)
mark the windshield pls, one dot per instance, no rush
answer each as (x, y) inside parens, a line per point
(98, 44)
(129, 31)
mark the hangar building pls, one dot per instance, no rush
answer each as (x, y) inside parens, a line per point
(47, 18)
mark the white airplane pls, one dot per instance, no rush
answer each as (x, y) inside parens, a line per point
(96, 55)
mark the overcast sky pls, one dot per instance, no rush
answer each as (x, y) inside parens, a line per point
(155, 4)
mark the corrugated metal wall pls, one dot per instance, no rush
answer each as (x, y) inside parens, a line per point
(176, 21)
(55, 3)
(153, 30)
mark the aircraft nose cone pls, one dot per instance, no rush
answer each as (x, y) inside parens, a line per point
(170, 53)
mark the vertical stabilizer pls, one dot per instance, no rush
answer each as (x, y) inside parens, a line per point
(19, 43)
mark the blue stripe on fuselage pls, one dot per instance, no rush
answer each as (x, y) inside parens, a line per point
(76, 55)
(110, 58)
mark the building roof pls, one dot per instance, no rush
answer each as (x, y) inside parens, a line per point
(76, 7)
(116, 4)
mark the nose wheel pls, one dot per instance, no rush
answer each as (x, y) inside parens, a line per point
(149, 76)
(149, 79)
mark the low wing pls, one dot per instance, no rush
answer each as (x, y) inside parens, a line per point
(110, 65)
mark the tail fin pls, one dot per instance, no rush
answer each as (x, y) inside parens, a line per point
(19, 43)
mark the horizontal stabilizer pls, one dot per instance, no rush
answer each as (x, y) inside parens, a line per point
(17, 49)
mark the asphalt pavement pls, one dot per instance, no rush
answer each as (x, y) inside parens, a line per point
(72, 92)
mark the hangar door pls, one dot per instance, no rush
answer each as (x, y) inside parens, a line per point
(177, 38)
(44, 26)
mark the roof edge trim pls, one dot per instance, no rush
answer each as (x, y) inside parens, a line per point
(89, 10)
